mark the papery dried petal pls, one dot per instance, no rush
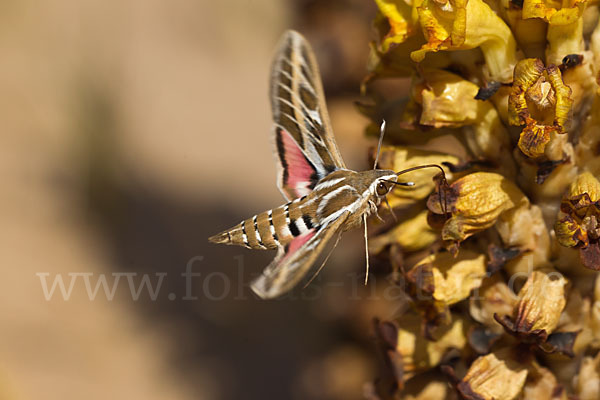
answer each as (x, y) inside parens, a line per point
(553, 12)
(401, 24)
(526, 73)
(454, 278)
(585, 183)
(534, 138)
(496, 376)
(541, 302)
(419, 354)
(461, 24)
(524, 228)
(493, 297)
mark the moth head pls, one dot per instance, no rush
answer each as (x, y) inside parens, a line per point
(383, 183)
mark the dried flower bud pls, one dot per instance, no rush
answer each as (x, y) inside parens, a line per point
(578, 223)
(496, 376)
(454, 278)
(460, 25)
(474, 203)
(540, 100)
(537, 313)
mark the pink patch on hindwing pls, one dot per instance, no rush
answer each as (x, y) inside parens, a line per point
(298, 171)
(298, 242)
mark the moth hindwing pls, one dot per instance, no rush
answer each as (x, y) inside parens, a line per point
(324, 198)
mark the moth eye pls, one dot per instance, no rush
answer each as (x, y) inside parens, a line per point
(381, 189)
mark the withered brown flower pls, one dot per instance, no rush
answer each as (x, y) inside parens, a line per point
(578, 223)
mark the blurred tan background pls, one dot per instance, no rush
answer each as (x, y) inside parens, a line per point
(131, 131)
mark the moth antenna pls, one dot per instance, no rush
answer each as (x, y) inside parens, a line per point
(387, 203)
(324, 261)
(381, 132)
(366, 248)
(404, 171)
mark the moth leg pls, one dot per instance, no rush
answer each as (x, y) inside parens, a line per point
(324, 261)
(366, 248)
(387, 203)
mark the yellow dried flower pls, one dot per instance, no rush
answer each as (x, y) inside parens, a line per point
(578, 223)
(412, 234)
(398, 14)
(466, 24)
(496, 376)
(419, 354)
(493, 297)
(398, 158)
(474, 202)
(537, 313)
(541, 301)
(565, 25)
(448, 100)
(540, 100)
(559, 13)
(524, 228)
(454, 278)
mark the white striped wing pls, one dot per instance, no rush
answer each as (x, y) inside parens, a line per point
(299, 111)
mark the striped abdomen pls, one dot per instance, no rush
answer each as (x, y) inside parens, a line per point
(271, 229)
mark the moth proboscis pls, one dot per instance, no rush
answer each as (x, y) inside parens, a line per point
(324, 197)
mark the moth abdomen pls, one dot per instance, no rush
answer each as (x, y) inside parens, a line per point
(221, 238)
